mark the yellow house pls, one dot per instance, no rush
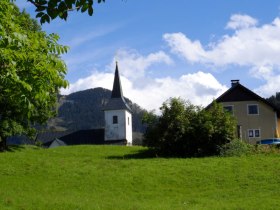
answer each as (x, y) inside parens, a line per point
(257, 118)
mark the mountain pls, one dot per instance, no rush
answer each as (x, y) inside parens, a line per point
(84, 110)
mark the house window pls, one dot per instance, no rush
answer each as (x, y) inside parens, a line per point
(253, 109)
(254, 133)
(251, 133)
(115, 119)
(128, 120)
(257, 133)
(229, 108)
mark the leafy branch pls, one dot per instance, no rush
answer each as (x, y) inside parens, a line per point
(51, 9)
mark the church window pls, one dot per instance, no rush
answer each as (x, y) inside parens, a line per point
(115, 119)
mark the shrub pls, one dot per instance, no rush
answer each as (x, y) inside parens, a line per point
(185, 130)
(267, 149)
(236, 147)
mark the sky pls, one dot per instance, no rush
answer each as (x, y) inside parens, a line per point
(182, 48)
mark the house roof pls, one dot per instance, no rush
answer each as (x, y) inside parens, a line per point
(238, 92)
(92, 136)
(117, 101)
(57, 143)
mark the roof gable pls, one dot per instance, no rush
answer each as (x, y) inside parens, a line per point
(240, 93)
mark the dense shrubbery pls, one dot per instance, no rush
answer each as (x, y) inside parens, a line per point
(267, 149)
(236, 147)
(186, 130)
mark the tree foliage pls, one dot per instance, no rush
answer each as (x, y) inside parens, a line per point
(50, 9)
(187, 130)
(31, 72)
(275, 100)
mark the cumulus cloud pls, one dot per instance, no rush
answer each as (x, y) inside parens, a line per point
(96, 79)
(270, 87)
(238, 21)
(134, 65)
(200, 88)
(183, 46)
(249, 46)
(254, 47)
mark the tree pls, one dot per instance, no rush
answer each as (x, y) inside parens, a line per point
(187, 130)
(216, 128)
(275, 100)
(51, 9)
(31, 72)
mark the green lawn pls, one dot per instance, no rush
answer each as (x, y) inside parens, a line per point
(115, 177)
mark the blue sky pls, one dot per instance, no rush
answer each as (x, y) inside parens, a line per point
(189, 49)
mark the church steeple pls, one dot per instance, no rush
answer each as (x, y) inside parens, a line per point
(118, 115)
(117, 87)
(117, 101)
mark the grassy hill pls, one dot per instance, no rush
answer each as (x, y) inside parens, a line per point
(114, 177)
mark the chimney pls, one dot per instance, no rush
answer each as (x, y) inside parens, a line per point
(234, 82)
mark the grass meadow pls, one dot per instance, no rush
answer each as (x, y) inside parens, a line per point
(115, 177)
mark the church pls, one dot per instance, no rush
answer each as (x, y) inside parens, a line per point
(117, 113)
(118, 123)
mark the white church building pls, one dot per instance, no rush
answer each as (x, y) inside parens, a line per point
(117, 113)
(117, 129)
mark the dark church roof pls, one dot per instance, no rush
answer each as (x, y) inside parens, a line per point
(92, 136)
(117, 101)
(238, 92)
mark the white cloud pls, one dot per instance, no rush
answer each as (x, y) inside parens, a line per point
(238, 21)
(246, 47)
(262, 72)
(134, 65)
(96, 79)
(252, 47)
(183, 46)
(256, 48)
(200, 88)
(270, 87)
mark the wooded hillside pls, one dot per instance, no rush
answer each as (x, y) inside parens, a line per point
(84, 110)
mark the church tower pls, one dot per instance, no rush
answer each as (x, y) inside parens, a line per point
(118, 118)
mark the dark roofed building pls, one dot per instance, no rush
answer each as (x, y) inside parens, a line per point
(118, 124)
(256, 117)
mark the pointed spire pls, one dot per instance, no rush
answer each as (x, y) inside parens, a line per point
(117, 101)
(117, 87)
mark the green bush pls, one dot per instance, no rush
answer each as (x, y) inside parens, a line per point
(267, 149)
(236, 147)
(185, 130)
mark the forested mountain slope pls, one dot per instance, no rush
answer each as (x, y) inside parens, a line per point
(84, 110)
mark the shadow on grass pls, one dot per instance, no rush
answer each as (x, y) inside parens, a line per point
(141, 154)
(15, 148)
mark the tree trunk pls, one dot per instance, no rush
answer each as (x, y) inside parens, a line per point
(3, 144)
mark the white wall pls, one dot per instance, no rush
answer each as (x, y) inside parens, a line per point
(128, 127)
(121, 130)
